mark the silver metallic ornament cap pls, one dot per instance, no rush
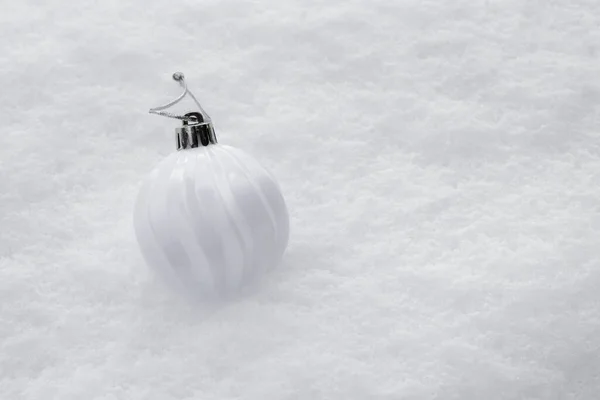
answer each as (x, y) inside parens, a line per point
(197, 129)
(194, 132)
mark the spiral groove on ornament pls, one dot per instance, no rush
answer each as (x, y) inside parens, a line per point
(211, 220)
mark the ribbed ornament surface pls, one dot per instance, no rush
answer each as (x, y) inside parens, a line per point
(210, 220)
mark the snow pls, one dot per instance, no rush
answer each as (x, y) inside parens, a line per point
(440, 160)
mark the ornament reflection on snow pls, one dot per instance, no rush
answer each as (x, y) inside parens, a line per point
(209, 218)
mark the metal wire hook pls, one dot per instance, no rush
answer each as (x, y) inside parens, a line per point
(179, 77)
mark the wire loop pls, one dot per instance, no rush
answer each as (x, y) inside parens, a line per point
(179, 77)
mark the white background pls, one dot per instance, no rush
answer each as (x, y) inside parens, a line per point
(440, 160)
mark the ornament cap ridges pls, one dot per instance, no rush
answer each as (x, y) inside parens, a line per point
(195, 132)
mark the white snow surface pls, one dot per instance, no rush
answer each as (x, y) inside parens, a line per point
(440, 161)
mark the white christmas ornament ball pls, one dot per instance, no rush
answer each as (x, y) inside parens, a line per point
(211, 220)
